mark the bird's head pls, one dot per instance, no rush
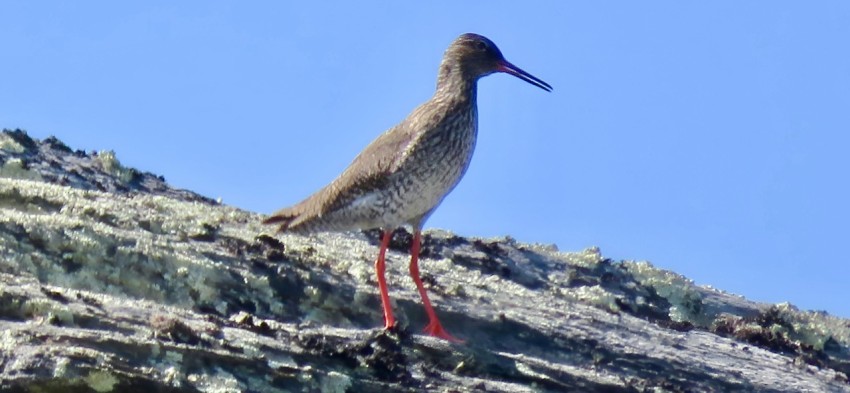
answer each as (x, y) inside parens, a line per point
(477, 56)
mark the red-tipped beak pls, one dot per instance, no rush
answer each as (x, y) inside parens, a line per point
(506, 67)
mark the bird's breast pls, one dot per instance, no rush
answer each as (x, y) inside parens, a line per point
(434, 165)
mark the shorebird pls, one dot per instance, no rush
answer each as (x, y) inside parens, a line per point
(404, 174)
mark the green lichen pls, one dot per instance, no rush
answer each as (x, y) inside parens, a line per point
(16, 169)
(335, 382)
(101, 381)
(10, 144)
(685, 300)
(814, 328)
(109, 162)
(596, 296)
(48, 311)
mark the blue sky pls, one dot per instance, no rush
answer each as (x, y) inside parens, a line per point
(709, 138)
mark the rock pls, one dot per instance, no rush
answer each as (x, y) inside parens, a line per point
(112, 281)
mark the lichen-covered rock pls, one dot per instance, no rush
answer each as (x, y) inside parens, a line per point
(111, 282)
(50, 160)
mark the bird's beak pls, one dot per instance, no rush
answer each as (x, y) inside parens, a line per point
(506, 67)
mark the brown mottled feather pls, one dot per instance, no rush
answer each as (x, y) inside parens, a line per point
(405, 173)
(368, 172)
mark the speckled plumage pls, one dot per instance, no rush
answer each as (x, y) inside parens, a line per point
(404, 174)
(400, 177)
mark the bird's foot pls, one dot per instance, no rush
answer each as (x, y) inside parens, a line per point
(435, 329)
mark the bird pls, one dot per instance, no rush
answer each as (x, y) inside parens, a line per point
(405, 173)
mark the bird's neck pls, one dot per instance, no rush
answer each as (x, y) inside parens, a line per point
(454, 86)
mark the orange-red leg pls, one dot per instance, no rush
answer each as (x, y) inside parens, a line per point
(434, 328)
(389, 320)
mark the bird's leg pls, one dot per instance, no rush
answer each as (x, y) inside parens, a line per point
(434, 328)
(389, 320)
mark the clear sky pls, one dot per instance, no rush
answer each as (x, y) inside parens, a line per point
(710, 138)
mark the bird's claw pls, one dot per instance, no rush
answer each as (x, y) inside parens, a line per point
(435, 329)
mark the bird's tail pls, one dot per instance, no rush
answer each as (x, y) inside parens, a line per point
(302, 218)
(283, 218)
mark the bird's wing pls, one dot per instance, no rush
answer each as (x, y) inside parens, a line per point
(367, 173)
(370, 170)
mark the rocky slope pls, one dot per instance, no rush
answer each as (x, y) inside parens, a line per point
(113, 281)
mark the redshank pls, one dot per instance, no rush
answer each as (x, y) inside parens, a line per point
(404, 174)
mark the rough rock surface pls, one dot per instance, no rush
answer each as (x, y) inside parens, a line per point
(112, 281)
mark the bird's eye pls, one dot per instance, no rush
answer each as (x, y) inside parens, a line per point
(481, 45)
